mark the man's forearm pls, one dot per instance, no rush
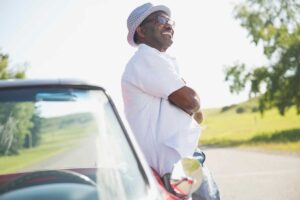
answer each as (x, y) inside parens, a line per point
(197, 115)
(186, 99)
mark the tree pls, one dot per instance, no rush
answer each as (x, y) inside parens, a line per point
(5, 73)
(36, 129)
(14, 119)
(15, 124)
(276, 25)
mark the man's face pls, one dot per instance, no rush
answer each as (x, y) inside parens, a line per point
(158, 31)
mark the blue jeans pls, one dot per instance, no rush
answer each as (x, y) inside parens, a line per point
(208, 189)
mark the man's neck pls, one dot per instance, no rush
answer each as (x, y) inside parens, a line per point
(161, 49)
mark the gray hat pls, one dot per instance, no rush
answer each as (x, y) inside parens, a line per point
(138, 15)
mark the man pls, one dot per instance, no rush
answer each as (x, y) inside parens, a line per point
(162, 111)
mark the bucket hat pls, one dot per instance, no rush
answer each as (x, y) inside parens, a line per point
(138, 15)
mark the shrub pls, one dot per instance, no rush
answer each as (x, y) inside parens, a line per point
(240, 110)
(254, 109)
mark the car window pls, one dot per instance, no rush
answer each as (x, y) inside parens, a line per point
(45, 129)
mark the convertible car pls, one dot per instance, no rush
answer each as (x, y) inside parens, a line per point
(64, 139)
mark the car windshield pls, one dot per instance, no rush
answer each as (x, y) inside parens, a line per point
(67, 128)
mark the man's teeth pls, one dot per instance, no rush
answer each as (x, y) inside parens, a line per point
(167, 33)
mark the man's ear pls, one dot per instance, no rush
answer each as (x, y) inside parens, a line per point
(140, 32)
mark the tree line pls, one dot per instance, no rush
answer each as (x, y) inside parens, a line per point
(19, 124)
(19, 127)
(276, 26)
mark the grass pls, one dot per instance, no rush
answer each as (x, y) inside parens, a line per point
(52, 143)
(251, 129)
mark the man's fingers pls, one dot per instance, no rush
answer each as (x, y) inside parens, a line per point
(198, 116)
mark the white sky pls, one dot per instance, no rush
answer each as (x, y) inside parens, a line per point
(86, 39)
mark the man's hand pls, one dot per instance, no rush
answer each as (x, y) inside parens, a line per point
(198, 116)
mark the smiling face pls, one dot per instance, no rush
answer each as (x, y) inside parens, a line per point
(156, 31)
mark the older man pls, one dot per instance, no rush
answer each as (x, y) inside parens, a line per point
(162, 111)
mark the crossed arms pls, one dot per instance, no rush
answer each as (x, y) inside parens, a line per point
(188, 100)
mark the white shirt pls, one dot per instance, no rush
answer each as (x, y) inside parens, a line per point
(164, 132)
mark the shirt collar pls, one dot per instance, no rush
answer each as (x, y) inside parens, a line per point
(145, 47)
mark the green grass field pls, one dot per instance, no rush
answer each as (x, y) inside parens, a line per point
(251, 129)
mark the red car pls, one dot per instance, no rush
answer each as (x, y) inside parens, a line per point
(64, 139)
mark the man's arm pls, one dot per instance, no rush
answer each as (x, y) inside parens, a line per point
(188, 100)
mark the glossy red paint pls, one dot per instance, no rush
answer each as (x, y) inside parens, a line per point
(169, 196)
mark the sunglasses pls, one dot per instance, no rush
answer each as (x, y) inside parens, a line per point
(161, 20)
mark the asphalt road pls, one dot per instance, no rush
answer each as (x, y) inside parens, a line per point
(248, 174)
(80, 156)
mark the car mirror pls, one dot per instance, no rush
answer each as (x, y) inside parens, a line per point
(186, 176)
(63, 96)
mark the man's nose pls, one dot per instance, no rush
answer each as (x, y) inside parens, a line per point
(168, 25)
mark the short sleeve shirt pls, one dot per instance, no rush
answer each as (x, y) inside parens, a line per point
(164, 132)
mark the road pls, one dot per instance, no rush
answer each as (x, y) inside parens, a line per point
(82, 155)
(240, 174)
(247, 174)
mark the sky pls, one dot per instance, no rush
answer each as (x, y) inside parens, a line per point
(86, 39)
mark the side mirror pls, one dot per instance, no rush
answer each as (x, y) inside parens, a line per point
(186, 176)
